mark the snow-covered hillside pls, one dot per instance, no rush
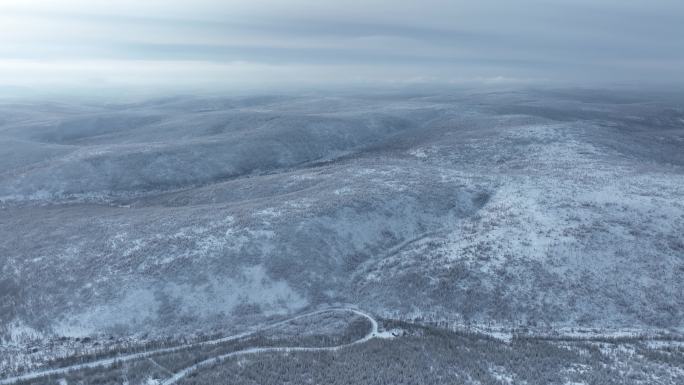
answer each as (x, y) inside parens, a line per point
(536, 209)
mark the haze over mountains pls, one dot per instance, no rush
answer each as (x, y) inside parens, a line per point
(176, 215)
(323, 192)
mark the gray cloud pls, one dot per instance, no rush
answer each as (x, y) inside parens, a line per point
(561, 41)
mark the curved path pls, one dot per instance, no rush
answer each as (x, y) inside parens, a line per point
(105, 362)
(211, 361)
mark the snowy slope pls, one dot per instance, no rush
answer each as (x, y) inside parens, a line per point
(513, 208)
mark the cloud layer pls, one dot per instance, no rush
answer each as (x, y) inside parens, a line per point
(238, 43)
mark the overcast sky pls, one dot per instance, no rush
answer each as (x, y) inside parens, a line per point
(200, 44)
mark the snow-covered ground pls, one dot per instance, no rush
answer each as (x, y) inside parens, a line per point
(175, 377)
(548, 212)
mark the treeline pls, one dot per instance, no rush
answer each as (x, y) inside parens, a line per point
(523, 333)
(422, 355)
(432, 356)
(93, 350)
(160, 365)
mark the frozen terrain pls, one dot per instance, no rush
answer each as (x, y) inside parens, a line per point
(556, 213)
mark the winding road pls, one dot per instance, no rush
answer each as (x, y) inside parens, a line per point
(106, 362)
(210, 361)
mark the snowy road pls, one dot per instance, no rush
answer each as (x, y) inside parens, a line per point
(210, 361)
(135, 356)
